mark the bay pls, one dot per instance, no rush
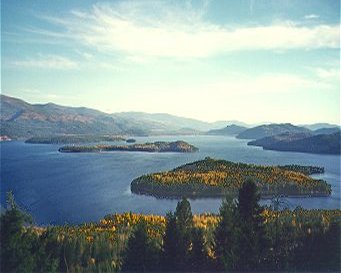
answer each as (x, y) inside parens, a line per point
(58, 188)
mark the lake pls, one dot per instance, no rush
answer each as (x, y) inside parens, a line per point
(58, 188)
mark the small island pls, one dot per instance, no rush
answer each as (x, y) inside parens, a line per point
(69, 139)
(155, 147)
(216, 178)
(130, 140)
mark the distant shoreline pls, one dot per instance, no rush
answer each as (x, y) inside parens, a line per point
(155, 147)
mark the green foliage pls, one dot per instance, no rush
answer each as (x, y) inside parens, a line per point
(170, 238)
(243, 237)
(225, 236)
(177, 238)
(184, 225)
(18, 240)
(240, 235)
(142, 253)
(251, 240)
(199, 260)
(215, 178)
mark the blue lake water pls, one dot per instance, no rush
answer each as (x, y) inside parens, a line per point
(59, 188)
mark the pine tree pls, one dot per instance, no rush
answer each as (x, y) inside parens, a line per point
(141, 254)
(225, 236)
(17, 240)
(170, 240)
(251, 233)
(184, 224)
(199, 256)
(177, 239)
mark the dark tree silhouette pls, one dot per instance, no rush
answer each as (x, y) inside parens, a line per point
(251, 233)
(184, 224)
(16, 241)
(170, 241)
(141, 253)
(198, 255)
(225, 236)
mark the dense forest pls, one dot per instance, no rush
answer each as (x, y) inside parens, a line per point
(244, 236)
(211, 177)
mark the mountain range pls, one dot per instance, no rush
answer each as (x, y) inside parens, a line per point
(20, 119)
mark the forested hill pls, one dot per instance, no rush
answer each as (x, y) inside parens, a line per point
(214, 178)
(319, 144)
(272, 130)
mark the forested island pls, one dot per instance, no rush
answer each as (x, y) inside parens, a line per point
(155, 147)
(68, 139)
(216, 178)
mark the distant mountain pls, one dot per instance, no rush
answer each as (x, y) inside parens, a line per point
(222, 123)
(20, 119)
(326, 131)
(163, 121)
(271, 130)
(306, 143)
(229, 130)
(317, 126)
(176, 122)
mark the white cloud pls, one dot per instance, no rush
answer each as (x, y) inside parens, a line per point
(311, 16)
(328, 73)
(160, 30)
(47, 62)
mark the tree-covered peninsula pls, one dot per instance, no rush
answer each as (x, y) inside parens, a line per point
(215, 178)
(155, 147)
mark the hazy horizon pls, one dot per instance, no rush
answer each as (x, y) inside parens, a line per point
(252, 61)
(165, 113)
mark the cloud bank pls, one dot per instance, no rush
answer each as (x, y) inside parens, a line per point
(157, 29)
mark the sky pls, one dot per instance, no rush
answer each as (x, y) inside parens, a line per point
(247, 60)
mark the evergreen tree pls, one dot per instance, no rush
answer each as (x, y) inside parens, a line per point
(184, 225)
(225, 236)
(199, 255)
(141, 254)
(17, 239)
(170, 239)
(184, 216)
(251, 233)
(177, 238)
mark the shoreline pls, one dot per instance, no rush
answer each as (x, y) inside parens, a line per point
(219, 196)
